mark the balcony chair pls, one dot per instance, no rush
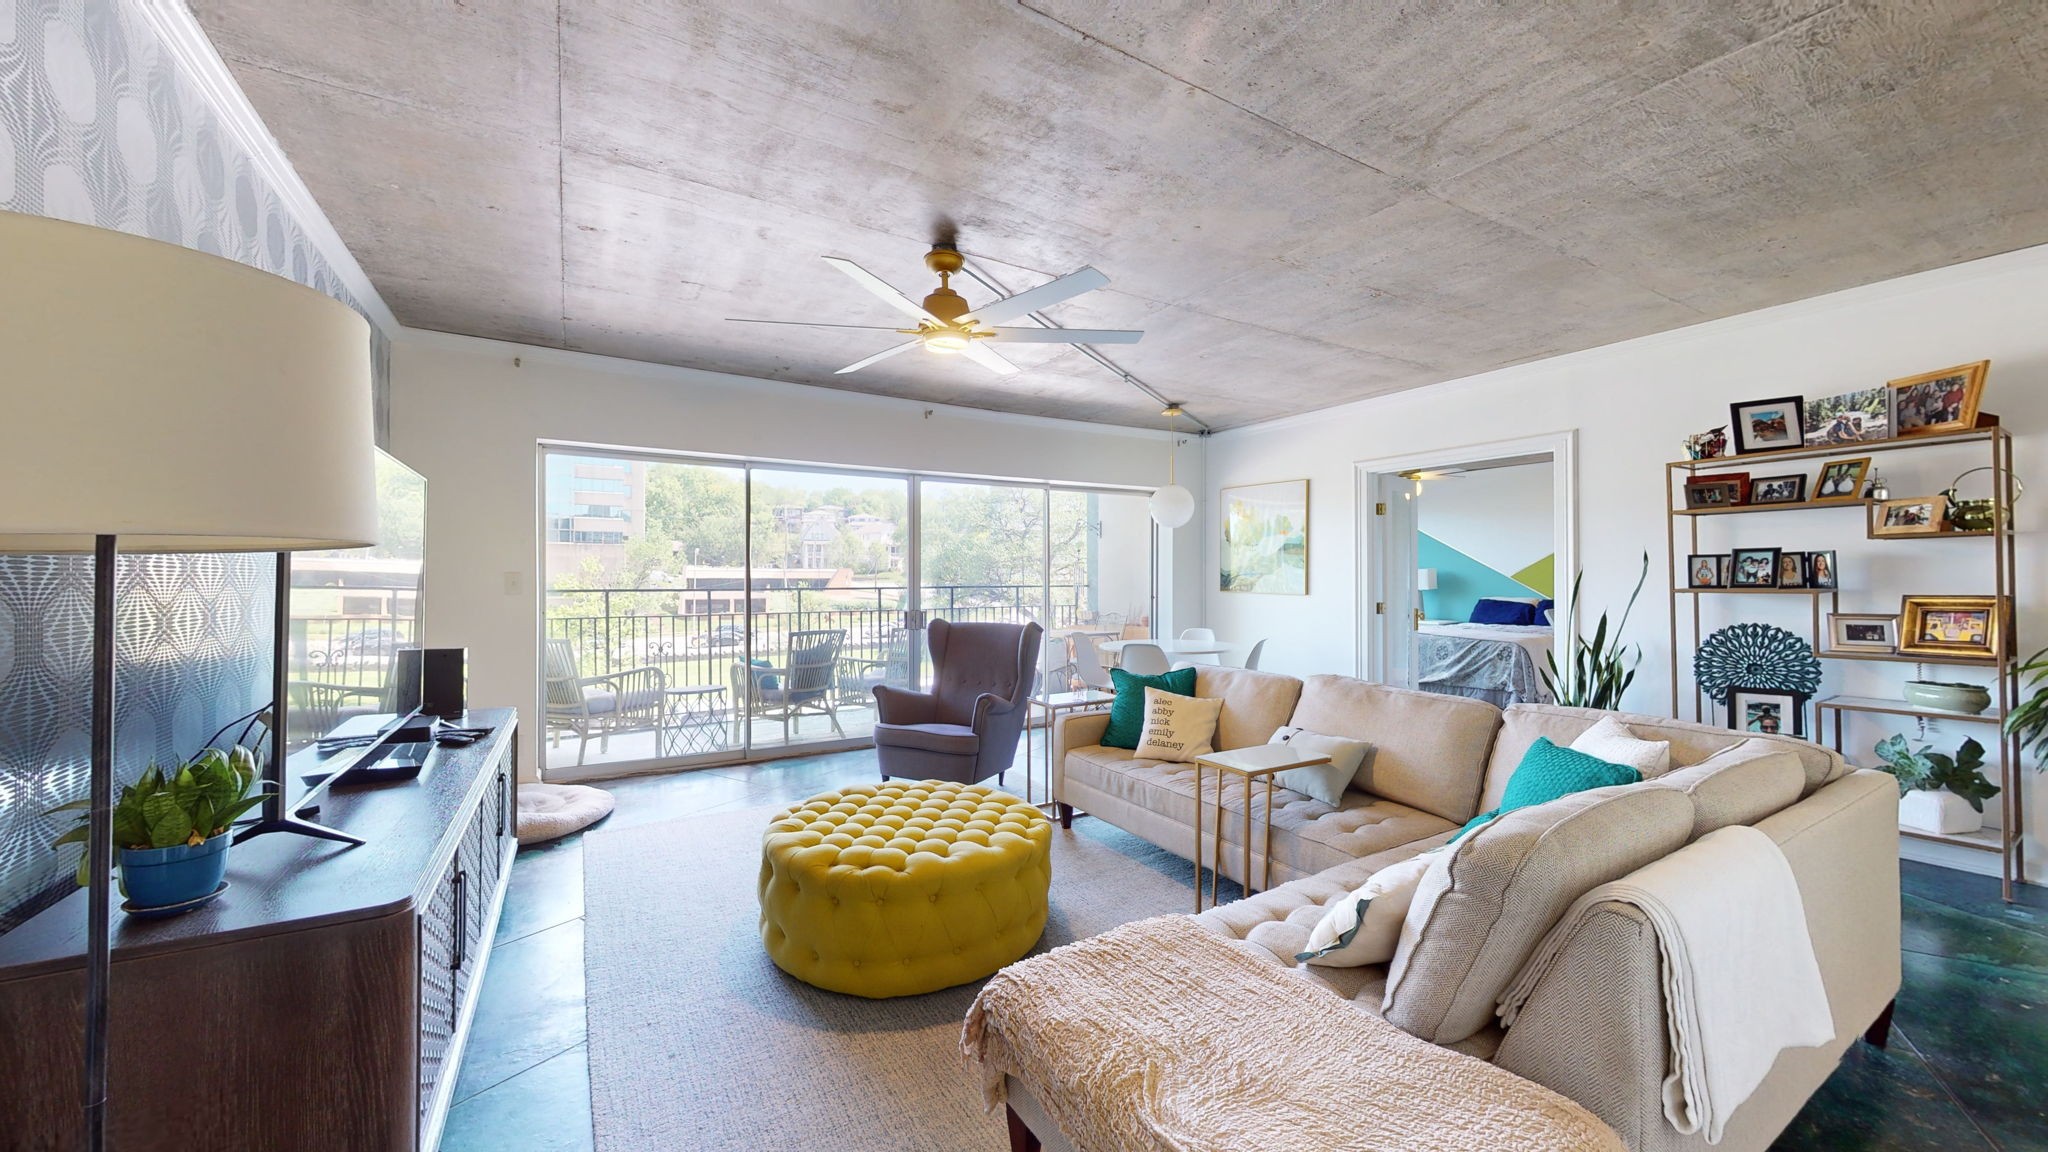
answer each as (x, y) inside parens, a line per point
(804, 682)
(629, 701)
(858, 677)
(966, 728)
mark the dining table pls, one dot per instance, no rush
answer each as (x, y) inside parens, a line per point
(1172, 647)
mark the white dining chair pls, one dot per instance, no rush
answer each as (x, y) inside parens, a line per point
(1088, 663)
(1252, 661)
(1205, 635)
(1145, 660)
(1200, 636)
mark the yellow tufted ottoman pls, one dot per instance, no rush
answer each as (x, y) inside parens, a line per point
(903, 887)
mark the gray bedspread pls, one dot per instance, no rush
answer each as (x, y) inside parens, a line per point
(1500, 672)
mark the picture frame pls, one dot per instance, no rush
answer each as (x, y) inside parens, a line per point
(1849, 417)
(1971, 627)
(1768, 425)
(1840, 479)
(1940, 401)
(1778, 489)
(1821, 570)
(1753, 568)
(1706, 494)
(1263, 540)
(1727, 569)
(1706, 570)
(1863, 632)
(1766, 711)
(1791, 569)
(1910, 516)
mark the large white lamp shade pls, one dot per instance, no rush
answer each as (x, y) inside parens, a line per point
(178, 401)
(1171, 506)
(1425, 579)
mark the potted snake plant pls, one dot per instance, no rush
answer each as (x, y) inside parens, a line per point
(172, 828)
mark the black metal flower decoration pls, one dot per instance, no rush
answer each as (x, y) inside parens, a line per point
(1755, 656)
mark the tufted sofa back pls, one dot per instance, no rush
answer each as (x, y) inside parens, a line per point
(970, 659)
(1429, 751)
(1254, 703)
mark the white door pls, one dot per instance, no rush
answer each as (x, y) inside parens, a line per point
(1397, 604)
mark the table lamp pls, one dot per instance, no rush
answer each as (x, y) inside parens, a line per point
(160, 399)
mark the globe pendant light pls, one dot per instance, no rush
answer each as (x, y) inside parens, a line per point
(1173, 505)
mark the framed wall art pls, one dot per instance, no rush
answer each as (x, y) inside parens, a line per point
(1263, 544)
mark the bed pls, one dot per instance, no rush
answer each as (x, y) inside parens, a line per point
(1499, 663)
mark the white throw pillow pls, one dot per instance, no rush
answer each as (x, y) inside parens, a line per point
(1177, 727)
(1365, 926)
(1325, 782)
(1612, 741)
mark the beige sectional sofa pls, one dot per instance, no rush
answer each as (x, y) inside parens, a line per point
(1594, 1026)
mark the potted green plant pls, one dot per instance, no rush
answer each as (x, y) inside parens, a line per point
(1595, 673)
(2029, 721)
(1938, 792)
(171, 829)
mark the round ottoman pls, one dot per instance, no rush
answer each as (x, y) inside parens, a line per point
(903, 887)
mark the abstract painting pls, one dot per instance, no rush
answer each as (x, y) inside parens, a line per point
(1264, 542)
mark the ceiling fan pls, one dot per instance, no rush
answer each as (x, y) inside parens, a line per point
(946, 325)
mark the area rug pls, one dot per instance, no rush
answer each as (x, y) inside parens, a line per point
(697, 1041)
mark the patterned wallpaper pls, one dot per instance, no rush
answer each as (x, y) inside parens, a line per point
(98, 126)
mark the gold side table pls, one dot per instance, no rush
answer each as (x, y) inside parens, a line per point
(1259, 761)
(1054, 703)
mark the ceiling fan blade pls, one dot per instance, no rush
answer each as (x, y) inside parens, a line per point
(881, 289)
(1032, 299)
(814, 324)
(1065, 336)
(989, 360)
(884, 354)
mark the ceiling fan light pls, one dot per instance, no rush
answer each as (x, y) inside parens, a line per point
(1171, 506)
(947, 343)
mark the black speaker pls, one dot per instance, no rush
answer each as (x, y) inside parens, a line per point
(404, 693)
(442, 681)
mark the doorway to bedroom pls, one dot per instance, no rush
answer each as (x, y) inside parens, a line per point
(1466, 553)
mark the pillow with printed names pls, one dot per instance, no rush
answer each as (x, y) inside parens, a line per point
(1177, 728)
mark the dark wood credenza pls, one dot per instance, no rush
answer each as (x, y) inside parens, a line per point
(320, 1003)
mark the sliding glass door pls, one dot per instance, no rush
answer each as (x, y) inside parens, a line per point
(702, 611)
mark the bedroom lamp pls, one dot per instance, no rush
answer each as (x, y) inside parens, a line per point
(163, 400)
(1173, 505)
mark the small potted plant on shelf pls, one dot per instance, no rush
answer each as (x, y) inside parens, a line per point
(1938, 792)
(171, 829)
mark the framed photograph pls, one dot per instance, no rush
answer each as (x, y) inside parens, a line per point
(1791, 569)
(1944, 401)
(1739, 479)
(1820, 570)
(1841, 479)
(1263, 546)
(1705, 571)
(1754, 568)
(1910, 516)
(1862, 632)
(1778, 490)
(1850, 418)
(1767, 711)
(1712, 494)
(1768, 425)
(1968, 626)
(1727, 569)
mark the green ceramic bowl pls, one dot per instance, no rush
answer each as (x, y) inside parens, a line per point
(1970, 698)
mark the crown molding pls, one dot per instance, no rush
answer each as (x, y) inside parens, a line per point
(201, 65)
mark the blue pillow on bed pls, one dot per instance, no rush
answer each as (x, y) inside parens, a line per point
(1543, 612)
(1503, 612)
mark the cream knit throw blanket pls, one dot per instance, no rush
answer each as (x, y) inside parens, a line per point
(1160, 1036)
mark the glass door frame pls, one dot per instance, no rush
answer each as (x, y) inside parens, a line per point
(743, 750)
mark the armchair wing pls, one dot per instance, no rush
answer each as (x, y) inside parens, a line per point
(967, 728)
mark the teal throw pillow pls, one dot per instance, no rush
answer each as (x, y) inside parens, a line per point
(1548, 772)
(1127, 712)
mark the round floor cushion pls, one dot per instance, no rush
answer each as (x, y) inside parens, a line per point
(551, 811)
(904, 887)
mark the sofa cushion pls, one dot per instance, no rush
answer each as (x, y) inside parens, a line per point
(1365, 925)
(1548, 772)
(1309, 836)
(1485, 904)
(1738, 785)
(1176, 727)
(1325, 782)
(1127, 711)
(1429, 751)
(957, 739)
(1254, 703)
(1612, 741)
(1690, 742)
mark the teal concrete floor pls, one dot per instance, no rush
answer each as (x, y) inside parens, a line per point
(1963, 1072)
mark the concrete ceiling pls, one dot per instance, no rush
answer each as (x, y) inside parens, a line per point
(1302, 204)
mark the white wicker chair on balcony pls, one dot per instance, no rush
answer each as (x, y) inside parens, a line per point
(629, 701)
(805, 681)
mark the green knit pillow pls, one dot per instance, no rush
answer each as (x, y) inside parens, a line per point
(1127, 711)
(1548, 772)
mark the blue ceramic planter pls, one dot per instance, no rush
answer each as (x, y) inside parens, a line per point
(156, 877)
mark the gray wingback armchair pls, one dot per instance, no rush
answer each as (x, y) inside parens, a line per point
(966, 728)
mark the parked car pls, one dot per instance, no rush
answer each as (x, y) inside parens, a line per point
(720, 638)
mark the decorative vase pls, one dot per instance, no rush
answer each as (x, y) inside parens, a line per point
(161, 877)
(1941, 812)
(1970, 698)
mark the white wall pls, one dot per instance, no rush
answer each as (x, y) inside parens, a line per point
(1632, 404)
(469, 419)
(1500, 517)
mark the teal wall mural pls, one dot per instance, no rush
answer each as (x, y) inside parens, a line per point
(1461, 581)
